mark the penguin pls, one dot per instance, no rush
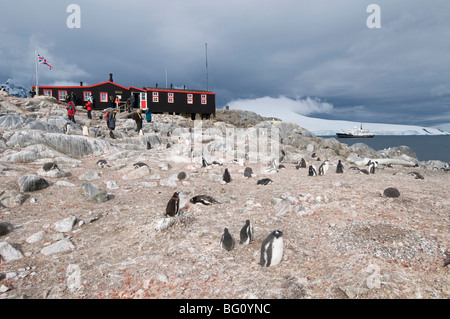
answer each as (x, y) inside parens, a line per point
(227, 241)
(139, 165)
(248, 172)
(226, 176)
(416, 175)
(339, 168)
(203, 199)
(301, 164)
(149, 146)
(364, 171)
(101, 163)
(272, 249)
(372, 166)
(323, 168)
(204, 162)
(246, 233)
(312, 171)
(173, 205)
(447, 258)
(264, 181)
(49, 166)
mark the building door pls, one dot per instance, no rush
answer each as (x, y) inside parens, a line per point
(143, 99)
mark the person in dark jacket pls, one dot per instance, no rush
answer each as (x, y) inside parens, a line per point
(129, 105)
(112, 120)
(137, 116)
(148, 115)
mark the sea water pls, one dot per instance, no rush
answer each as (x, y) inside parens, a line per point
(426, 147)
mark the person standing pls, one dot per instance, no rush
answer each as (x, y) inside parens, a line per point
(112, 122)
(137, 116)
(148, 115)
(89, 109)
(129, 105)
(71, 112)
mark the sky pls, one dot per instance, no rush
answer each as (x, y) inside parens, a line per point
(319, 58)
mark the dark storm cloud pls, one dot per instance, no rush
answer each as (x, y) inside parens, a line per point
(278, 49)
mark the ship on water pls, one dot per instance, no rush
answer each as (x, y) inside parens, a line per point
(355, 133)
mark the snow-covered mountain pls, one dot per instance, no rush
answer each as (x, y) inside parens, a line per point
(15, 89)
(322, 127)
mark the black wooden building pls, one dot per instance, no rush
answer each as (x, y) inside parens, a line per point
(158, 100)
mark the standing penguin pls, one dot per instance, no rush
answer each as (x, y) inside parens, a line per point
(226, 176)
(272, 249)
(312, 171)
(323, 168)
(372, 166)
(339, 168)
(173, 205)
(246, 233)
(227, 241)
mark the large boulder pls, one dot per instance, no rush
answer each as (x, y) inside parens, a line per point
(31, 183)
(71, 145)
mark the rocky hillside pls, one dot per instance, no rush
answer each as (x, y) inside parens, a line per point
(83, 213)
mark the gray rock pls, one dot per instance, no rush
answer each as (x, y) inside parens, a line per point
(398, 151)
(11, 121)
(65, 184)
(93, 193)
(4, 228)
(89, 176)
(12, 198)
(53, 173)
(9, 253)
(363, 150)
(112, 185)
(137, 173)
(36, 237)
(65, 225)
(31, 183)
(70, 145)
(60, 246)
(391, 192)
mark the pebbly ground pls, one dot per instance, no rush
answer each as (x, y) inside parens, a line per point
(342, 238)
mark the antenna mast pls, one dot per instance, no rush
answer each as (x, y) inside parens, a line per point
(206, 49)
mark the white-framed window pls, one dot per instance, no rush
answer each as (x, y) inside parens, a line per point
(155, 97)
(62, 95)
(190, 98)
(48, 92)
(86, 95)
(103, 97)
(204, 99)
(170, 98)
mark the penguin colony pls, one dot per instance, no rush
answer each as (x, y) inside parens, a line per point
(271, 251)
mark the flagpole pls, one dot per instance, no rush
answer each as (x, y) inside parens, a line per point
(37, 73)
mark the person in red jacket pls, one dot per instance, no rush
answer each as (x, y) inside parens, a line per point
(89, 109)
(71, 111)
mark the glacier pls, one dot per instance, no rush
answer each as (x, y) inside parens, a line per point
(323, 127)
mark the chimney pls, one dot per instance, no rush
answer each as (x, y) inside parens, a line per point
(81, 83)
(111, 77)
